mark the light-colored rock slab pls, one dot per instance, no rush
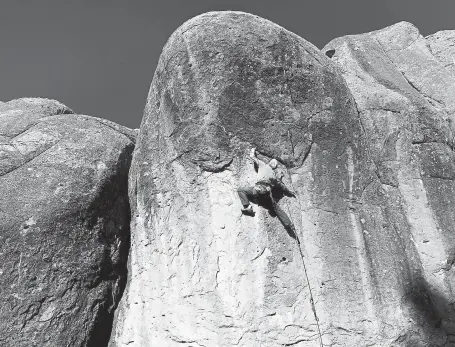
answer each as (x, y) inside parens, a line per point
(405, 95)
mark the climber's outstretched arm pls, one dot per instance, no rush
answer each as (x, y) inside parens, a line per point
(284, 189)
(255, 159)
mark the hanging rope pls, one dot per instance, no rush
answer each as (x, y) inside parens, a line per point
(313, 307)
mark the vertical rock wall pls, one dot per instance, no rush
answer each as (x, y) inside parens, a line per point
(201, 274)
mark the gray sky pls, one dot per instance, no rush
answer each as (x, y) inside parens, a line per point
(98, 56)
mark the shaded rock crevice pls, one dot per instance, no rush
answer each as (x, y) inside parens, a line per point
(111, 200)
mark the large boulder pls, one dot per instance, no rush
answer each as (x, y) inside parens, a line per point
(404, 87)
(200, 273)
(64, 224)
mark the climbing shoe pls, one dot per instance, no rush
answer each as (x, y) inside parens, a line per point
(248, 211)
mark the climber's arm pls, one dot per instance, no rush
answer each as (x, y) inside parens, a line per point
(255, 159)
(284, 189)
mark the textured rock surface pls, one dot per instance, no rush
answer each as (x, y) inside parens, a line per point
(64, 225)
(442, 45)
(405, 94)
(201, 274)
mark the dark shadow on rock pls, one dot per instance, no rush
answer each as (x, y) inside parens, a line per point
(111, 277)
(434, 315)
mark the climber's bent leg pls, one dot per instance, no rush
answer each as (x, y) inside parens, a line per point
(246, 194)
(283, 217)
(286, 221)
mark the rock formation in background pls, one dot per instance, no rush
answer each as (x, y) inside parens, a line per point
(442, 45)
(201, 274)
(404, 87)
(64, 224)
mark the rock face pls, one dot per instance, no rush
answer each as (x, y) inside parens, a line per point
(364, 134)
(404, 87)
(64, 224)
(442, 45)
(201, 274)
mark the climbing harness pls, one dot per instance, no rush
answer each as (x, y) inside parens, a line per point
(263, 188)
(313, 307)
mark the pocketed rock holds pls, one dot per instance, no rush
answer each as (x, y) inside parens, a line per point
(64, 224)
(405, 93)
(200, 273)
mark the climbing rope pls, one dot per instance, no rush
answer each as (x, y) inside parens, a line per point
(313, 307)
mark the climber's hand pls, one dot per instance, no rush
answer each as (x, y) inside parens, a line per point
(292, 194)
(253, 152)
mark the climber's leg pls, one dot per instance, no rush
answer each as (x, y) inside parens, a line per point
(283, 217)
(285, 220)
(246, 194)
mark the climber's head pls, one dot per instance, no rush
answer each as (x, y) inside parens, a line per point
(273, 164)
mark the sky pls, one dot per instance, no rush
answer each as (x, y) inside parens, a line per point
(98, 56)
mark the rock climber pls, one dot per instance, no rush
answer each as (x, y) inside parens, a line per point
(266, 181)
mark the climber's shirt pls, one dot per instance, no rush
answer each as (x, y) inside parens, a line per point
(266, 174)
